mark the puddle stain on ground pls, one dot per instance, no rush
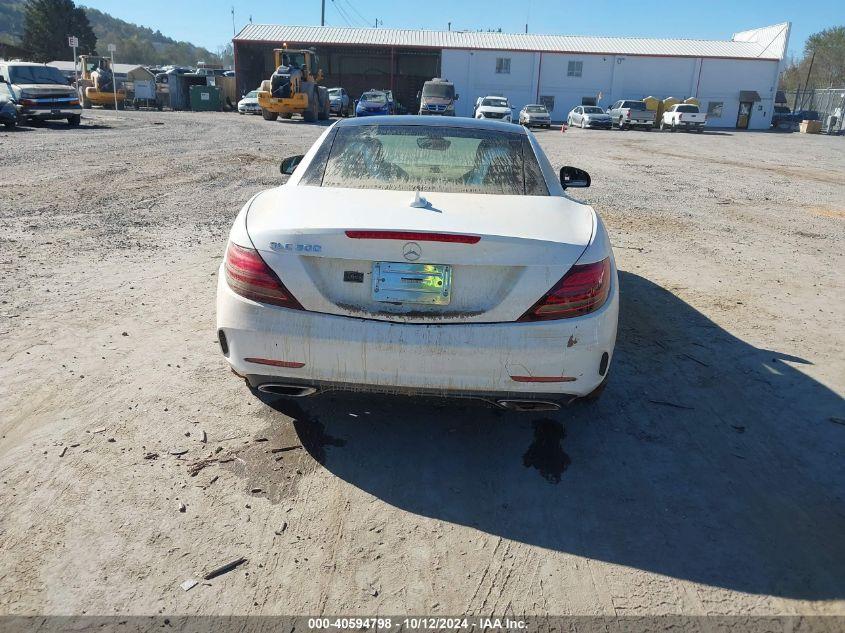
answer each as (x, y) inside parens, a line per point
(546, 453)
(288, 450)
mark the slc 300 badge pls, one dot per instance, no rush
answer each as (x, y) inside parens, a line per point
(296, 248)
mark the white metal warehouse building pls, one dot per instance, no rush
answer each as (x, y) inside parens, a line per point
(562, 71)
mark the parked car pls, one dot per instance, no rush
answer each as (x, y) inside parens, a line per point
(805, 115)
(339, 101)
(782, 116)
(626, 113)
(40, 92)
(8, 113)
(508, 292)
(535, 115)
(589, 116)
(249, 104)
(438, 97)
(494, 108)
(683, 116)
(372, 103)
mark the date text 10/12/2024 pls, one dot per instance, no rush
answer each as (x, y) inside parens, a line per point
(421, 623)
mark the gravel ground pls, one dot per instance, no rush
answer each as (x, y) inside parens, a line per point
(709, 479)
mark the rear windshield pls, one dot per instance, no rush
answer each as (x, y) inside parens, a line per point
(536, 109)
(335, 92)
(36, 75)
(686, 108)
(593, 110)
(445, 91)
(495, 103)
(634, 105)
(374, 97)
(443, 159)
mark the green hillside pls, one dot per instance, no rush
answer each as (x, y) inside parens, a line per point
(135, 44)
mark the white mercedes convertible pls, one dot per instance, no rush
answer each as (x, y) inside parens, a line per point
(421, 255)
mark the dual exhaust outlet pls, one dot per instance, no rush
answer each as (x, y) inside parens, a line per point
(301, 391)
(291, 391)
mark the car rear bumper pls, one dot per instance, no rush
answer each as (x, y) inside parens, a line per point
(562, 357)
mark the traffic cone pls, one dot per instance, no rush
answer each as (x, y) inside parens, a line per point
(563, 127)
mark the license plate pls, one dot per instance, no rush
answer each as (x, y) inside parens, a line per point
(396, 282)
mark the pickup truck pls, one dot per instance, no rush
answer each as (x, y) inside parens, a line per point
(683, 116)
(626, 113)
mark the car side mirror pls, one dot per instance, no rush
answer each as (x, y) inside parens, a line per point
(290, 164)
(2, 79)
(574, 177)
(607, 111)
(419, 94)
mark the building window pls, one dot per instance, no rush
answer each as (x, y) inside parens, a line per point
(503, 65)
(548, 101)
(574, 69)
(714, 109)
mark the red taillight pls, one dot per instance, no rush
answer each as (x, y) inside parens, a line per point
(414, 236)
(250, 277)
(582, 290)
(628, 114)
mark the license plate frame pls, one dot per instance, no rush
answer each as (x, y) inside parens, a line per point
(402, 282)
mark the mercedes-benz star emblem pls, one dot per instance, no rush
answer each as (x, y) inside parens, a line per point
(411, 251)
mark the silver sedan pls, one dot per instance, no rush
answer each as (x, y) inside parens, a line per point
(535, 115)
(588, 116)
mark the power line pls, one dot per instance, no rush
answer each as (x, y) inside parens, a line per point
(341, 13)
(364, 20)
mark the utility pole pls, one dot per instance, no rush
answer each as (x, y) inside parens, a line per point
(233, 21)
(323, 14)
(806, 83)
(449, 26)
(379, 22)
(526, 27)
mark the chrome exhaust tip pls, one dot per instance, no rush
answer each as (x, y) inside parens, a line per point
(291, 391)
(528, 405)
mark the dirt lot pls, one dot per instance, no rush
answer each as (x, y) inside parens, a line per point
(710, 479)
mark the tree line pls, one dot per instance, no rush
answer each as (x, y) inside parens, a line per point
(822, 64)
(47, 24)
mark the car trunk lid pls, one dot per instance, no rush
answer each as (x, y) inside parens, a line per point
(371, 254)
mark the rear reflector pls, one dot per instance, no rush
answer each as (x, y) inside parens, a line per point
(543, 378)
(413, 236)
(275, 363)
(250, 277)
(580, 291)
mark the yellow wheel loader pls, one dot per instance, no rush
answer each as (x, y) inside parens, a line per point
(96, 84)
(293, 89)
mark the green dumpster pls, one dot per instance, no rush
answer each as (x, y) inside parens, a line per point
(205, 98)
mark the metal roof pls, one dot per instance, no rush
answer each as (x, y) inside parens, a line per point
(308, 35)
(68, 66)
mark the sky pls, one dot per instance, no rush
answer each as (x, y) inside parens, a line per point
(208, 23)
